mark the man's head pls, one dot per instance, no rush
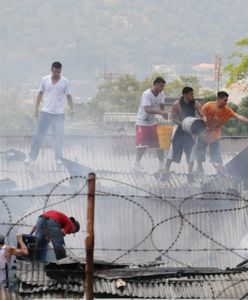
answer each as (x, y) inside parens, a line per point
(188, 93)
(2, 240)
(222, 98)
(158, 84)
(76, 225)
(56, 69)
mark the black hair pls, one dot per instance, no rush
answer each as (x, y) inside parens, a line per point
(187, 89)
(2, 239)
(57, 65)
(159, 80)
(222, 94)
(75, 223)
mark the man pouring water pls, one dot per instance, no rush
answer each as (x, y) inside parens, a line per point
(183, 141)
(217, 113)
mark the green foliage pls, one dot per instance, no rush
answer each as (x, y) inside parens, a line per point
(191, 81)
(123, 94)
(230, 127)
(120, 95)
(238, 69)
(233, 126)
(147, 82)
(243, 110)
(15, 117)
(242, 42)
(131, 34)
(208, 95)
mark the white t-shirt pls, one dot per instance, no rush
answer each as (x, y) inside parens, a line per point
(148, 99)
(54, 95)
(3, 263)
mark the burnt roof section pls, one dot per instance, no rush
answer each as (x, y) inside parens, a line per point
(158, 282)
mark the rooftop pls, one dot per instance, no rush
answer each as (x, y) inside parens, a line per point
(142, 219)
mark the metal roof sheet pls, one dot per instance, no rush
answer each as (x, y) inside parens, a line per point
(226, 285)
(137, 215)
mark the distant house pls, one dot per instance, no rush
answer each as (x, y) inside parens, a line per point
(237, 91)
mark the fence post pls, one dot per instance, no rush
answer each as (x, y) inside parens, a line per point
(89, 240)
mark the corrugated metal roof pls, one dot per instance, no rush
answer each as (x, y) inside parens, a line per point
(138, 220)
(202, 285)
(6, 294)
(133, 226)
(132, 220)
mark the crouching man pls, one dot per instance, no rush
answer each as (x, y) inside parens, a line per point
(52, 226)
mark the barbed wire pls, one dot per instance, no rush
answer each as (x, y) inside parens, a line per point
(133, 200)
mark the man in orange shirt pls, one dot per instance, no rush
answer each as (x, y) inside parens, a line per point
(217, 113)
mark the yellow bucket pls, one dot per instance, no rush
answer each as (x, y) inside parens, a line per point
(164, 135)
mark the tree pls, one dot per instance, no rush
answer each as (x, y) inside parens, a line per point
(191, 81)
(239, 69)
(243, 110)
(15, 115)
(124, 93)
(120, 95)
(174, 88)
(231, 126)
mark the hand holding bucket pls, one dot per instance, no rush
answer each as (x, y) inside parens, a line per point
(194, 126)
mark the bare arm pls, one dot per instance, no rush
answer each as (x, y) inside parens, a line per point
(10, 250)
(151, 110)
(37, 103)
(33, 230)
(70, 103)
(175, 114)
(241, 118)
(200, 111)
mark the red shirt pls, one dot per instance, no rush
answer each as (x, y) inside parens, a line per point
(60, 218)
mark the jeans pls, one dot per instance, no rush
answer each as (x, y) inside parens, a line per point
(48, 230)
(214, 151)
(45, 120)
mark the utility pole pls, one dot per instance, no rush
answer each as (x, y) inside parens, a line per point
(90, 239)
(217, 72)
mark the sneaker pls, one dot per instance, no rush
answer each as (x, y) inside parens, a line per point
(28, 160)
(137, 167)
(161, 167)
(199, 171)
(59, 161)
(218, 167)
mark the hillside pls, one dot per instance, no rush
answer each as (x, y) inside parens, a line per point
(130, 35)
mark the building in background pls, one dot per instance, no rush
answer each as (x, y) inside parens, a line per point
(168, 71)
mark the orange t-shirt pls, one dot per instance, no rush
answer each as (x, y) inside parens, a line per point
(216, 118)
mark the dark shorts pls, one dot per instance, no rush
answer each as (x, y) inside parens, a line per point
(181, 142)
(214, 151)
(146, 136)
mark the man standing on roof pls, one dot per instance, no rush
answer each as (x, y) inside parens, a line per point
(182, 141)
(52, 226)
(217, 113)
(152, 103)
(53, 90)
(6, 253)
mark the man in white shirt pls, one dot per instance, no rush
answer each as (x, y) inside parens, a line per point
(6, 253)
(152, 103)
(54, 89)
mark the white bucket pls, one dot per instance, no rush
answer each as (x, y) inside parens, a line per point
(194, 126)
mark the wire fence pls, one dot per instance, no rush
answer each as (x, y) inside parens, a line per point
(135, 227)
